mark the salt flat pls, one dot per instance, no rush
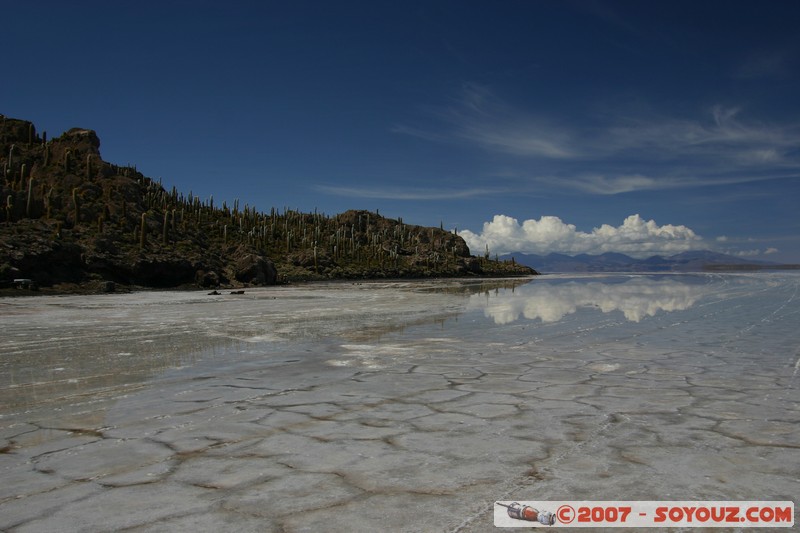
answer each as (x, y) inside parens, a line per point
(397, 406)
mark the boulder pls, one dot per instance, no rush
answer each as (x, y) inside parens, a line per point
(473, 265)
(207, 279)
(255, 270)
(83, 140)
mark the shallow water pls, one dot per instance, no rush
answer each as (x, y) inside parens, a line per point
(405, 406)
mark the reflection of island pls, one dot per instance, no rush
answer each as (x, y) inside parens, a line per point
(550, 302)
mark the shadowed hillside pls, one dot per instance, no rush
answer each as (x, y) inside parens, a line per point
(68, 217)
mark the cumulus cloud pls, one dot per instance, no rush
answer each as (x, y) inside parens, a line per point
(635, 237)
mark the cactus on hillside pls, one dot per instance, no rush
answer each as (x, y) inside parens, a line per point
(77, 205)
(143, 231)
(209, 235)
(30, 198)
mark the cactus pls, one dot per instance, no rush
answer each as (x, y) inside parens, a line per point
(48, 203)
(77, 205)
(88, 166)
(164, 229)
(143, 231)
(30, 198)
(9, 207)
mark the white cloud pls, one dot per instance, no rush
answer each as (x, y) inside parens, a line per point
(531, 140)
(618, 152)
(746, 253)
(635, 237)
(755, 252)
(413, 194)
(609, 185)
(726, 134)
(481, 119)
(597, 184)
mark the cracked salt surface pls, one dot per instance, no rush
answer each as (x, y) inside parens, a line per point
(395, 406)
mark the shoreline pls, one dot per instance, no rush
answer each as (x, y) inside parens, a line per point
(99, 287)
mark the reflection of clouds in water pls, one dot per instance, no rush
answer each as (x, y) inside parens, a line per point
(636, 298)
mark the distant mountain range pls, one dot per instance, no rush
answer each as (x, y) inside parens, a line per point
(615, 262)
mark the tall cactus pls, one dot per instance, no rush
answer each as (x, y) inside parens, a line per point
(143, 231)
(77, 205)
(164, 229)
(48, 203)
(30, 198)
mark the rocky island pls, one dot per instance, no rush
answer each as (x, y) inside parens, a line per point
(72, 221)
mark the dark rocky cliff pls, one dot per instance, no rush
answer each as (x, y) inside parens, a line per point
(68, 217)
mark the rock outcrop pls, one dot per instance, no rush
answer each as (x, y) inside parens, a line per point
(254, 269)
(68, 216)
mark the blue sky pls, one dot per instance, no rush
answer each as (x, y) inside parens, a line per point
(534, 126)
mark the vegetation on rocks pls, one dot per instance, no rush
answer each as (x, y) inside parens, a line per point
(70, 217)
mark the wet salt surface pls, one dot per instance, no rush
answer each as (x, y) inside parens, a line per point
(395, 406)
